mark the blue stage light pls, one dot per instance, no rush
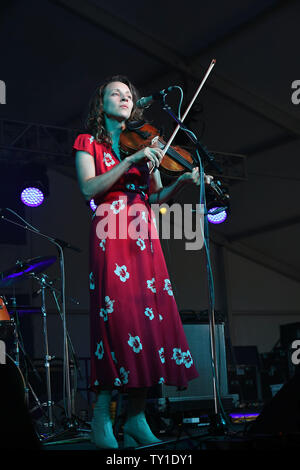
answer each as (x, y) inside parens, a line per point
(93, 205)
(33, 184)
(217, 214)
(32, 196)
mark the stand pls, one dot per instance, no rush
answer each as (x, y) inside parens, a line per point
(19, 348)
(71, 423)
(217, 422)
(48, 358)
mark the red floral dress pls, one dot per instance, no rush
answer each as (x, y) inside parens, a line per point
(137, 338)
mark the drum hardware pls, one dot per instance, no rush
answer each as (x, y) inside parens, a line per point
(6, 323)
(4, 315)
(75, 361)
(16, 332)
(45, 283)
(21, 272)
(39, 404)
(11, 321)
(10, 332)
(47, 357)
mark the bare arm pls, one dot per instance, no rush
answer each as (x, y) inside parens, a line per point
(160, 194)
(90, 184)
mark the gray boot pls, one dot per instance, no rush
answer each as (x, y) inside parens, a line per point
(136, 429)
(102, 431)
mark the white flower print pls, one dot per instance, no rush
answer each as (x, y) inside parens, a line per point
(103, 314)
(140, 242)
(187, 359)
(160, 317)
(177, 356)
(102, 244)
(122, 272)
(161, 353)
(124, 375)
(130, 186)
(151, 285)
(118, 382)
(109, 308)
(151, 247)
(135, 343)
(161, 380)
(100, 350)
(109, 304)
(91, 139)
(108, 159)
(149, 313)
(117, 206)
(92, 281)
(168, 286)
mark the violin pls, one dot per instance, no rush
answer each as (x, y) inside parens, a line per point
(176, 161)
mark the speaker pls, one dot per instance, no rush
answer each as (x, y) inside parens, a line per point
(282, 413)
(198, 337)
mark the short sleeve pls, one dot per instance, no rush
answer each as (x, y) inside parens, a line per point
(85, 143)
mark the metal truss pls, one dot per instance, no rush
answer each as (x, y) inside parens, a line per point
(25, 142)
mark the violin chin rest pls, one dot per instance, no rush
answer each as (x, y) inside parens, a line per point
(133, 125)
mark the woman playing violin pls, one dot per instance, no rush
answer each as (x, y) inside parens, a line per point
(137, 338)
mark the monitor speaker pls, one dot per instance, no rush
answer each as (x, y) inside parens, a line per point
(198, 337)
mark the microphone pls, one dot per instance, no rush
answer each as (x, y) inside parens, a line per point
(145, 102)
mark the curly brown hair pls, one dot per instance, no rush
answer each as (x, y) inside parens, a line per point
(95, 119)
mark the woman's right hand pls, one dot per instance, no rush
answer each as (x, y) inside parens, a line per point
(152, 154)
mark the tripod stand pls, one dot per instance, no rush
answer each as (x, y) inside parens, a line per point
(72, 425)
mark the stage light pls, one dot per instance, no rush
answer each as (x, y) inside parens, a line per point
(217, 203)
(34, 186)
(93, 205)
(163, 210)
(32, 196)
(217, 214)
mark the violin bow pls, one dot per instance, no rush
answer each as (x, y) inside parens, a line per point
(212, 64)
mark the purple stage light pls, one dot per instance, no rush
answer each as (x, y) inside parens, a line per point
(243, 417)
(217, 218)
(93, 205)
(32, 197)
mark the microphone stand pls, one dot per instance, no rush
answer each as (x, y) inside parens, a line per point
(217, 422)
(60, 244)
